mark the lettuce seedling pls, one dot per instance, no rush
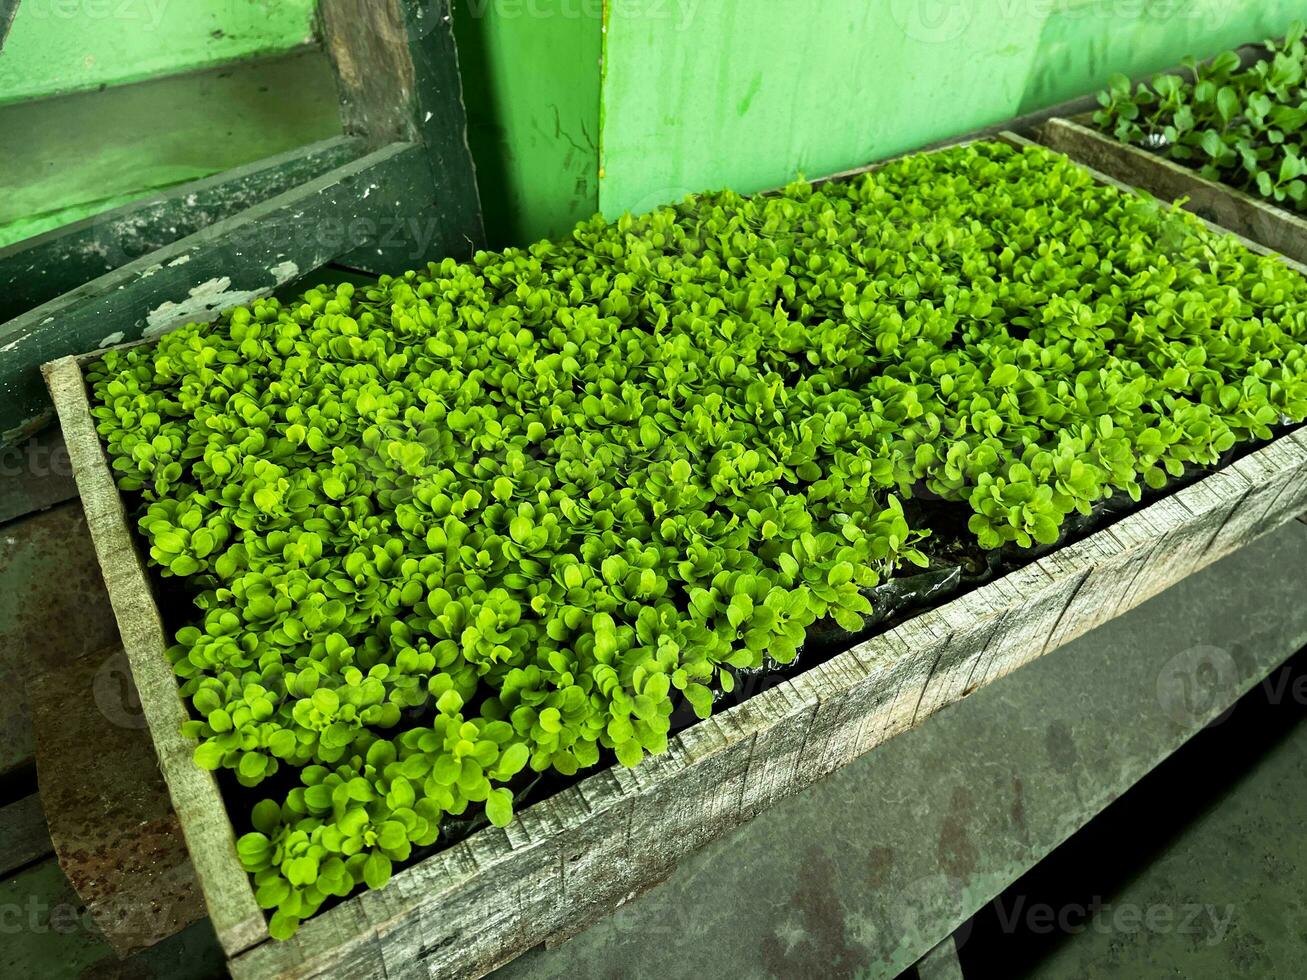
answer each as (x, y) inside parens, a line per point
(506, 516)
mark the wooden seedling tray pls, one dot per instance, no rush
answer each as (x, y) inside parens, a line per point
(1232, 209)
(567, 860)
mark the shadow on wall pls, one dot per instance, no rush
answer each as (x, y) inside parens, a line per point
(531, 74)
(487, 139)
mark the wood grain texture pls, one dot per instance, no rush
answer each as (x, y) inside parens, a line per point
(1232, 209)
(568, 860)
(237, 919)
(397, 72)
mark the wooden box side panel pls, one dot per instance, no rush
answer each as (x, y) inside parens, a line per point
(237, 919)
(1228, 207)
(567, 861)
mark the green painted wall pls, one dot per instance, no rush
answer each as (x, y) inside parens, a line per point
(59, 46)
(665, 97)
(703, 94)
(531, 81)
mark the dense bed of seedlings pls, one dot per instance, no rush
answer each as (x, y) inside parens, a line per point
(493, 518)
(1246, 127)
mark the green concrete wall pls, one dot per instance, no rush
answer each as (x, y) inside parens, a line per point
(583, 105)
(61, 46)
(705, 93)
(696, 94)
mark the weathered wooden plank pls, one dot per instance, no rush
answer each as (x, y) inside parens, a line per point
(210, 839)
(912, 839)
(1229, 207)
(23, 831)
(223, 265)
(397, 69)
(7, 10)
(37, 270)
(769, 769)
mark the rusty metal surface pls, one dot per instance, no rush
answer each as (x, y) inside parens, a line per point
(71, 706)
(110, 818)
(34, 475)
(53, 607)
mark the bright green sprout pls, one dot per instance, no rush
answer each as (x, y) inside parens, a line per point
(498, 517)
(1246, 127)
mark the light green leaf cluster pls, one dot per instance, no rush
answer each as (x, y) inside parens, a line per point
(498, 517)
(1246, 127)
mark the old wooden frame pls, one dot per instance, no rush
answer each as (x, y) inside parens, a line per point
(1229, 207)
(38, 269)
(397, 191)
(7, 10)
(568, 860)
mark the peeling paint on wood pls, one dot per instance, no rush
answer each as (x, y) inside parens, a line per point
(206, 300)
(397, 66)
(232, 261)
(39, 269)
